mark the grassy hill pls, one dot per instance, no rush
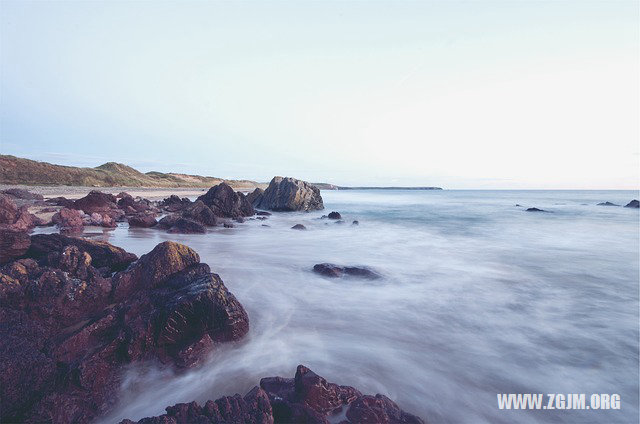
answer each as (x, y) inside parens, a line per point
(14, 170)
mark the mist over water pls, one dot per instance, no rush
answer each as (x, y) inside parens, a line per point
(478, 297)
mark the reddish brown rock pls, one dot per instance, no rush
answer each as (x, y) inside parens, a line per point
(174, 203)
(8, 210)
(13, 244)
(199, 212)
(20, 193)
(143, 220)
(68, 220)
(70, 328)
(379, 409)
(224, 202)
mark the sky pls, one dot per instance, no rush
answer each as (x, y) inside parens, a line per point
(474, 94)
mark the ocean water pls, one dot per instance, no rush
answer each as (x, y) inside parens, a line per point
(478, 297)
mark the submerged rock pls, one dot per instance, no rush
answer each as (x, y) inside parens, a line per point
(607, 204)
(69, 329)
(355, 223)
(337, 271)
(306, 398)
(288, 194)
(633, 204)
(334, 215)
(535, 210)
(224, 202)
(298, 227)
(187, 226)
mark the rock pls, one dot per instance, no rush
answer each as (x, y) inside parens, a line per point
(69, 332)
(174, 203)
(104, 255)
(261, 218)
(339, 222)
(289, 194)
(263, 213)
(633, 204)
(228, 225)
(306, 398)
(133, 206)
(69, 220)
(535, 210)
(255, 196)
(224, 202)
(298, 227)
(168, 221)
(187, 226)
(355, 223)
(96, 201)
(200, 212)
(23, 194)
(518, 205)
(13, 244)
(337, 271)
(607, 204)
(8, 210)
(334, 215)
(143, 220)
(61, 201)
(379, 409)
(254, 408)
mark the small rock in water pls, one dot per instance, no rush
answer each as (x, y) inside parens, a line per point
(298, 227)
(334, 215)
(607, 204)
(263, 213)
(339, 222)
(337, 271)
(227, 225)
(355, 223)
(518, 205)
(535, 210)
(633, 204)
(186, 226)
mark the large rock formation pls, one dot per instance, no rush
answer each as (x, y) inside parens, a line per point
(224, 202)
(13, 244)
(288, 194)
(69, 326)
(633, 204)
(306, 398)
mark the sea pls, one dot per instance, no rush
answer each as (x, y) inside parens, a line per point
(478, 297)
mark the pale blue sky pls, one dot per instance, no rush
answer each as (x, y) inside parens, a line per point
(476, 94)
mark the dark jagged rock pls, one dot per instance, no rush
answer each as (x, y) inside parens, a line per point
(61, 201)
(337, 271)
(69, 330)
(144, 220)
(12, 217)
(253, 408)
(96, 201)
(633, 204)
(255, 196)
(132, 206)
(263, 213)
(306, 398)
(168, 221)
(298, 227)
(334, 215)
(379, 409)
(23, 194)
(607, 204)
(104, 254)
(13, 244)
(288, 194)
(228, 225)
(535, 210)
(224, 202)
(187, 226)
(200, 212)
(174, 203)
(8, 210)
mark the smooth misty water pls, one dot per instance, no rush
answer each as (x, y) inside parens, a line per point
(479, 297)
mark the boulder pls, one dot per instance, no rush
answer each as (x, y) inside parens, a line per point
(199, 212)
(174, 203)
(288, 194)
(142, 220)
(255, 196)
(69, 220)
(306, 398)
(96, 201)
(633, 204)
(337, 271)
(224, 202)
(187, 226)
(8, 210)
(13, 244)
(298, 227)
(70, 330)
(334, 215)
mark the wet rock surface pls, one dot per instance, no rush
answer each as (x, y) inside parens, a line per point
(337, 271)
(334, 215)
(289, 194)
(226, 203)
(633, 204)
(70, 326)
(306, 398)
